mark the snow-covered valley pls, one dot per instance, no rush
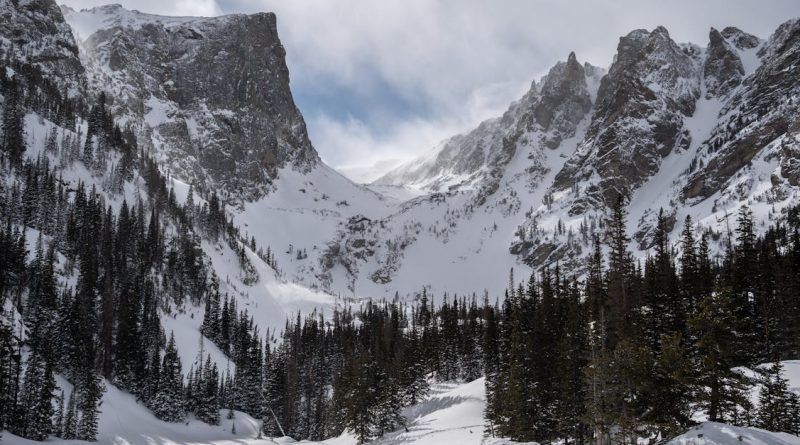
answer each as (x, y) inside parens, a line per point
(175, 253)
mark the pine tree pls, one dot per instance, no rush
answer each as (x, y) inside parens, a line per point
(689, 262)
(58, 421)
(8, 362)
(716, 327)
(91, 391)
(36, 399)
(669, 390)
(776, 403)
(13, 141)
(618, 277)
(207, 408)
(167, 402)
(70, 429)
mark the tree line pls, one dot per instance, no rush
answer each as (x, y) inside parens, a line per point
(83, 299)
(638, 348)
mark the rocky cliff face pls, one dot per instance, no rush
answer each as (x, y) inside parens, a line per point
(696, 130)
(723, 69)
(211, 94)
(764, 110)
(34, 32)
(641, 104)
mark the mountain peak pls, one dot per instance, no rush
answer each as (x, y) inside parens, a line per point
(571, 58)
(661, 32)
(723, 69)
(739, 38)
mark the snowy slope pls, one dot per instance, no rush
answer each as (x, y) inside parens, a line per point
(712, 433)
(451, 414)
(270, 300)
(124, 421)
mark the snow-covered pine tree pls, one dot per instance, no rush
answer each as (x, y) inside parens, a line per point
(58, 420)
(776, 403)
(167, 402)
(13, 139)
(35, 404)
(91, 391)
(70, 428)
(206, 393)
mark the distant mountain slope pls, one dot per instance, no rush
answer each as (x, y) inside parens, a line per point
(548, 113)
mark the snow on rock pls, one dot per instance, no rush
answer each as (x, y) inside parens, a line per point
(88, 21)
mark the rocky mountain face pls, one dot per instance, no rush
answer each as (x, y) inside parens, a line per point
(650, 88)
(723, 69)
(34, 32)
(695, 130)
(212, 94)
(762, 111)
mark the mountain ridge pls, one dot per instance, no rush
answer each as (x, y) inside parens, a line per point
(539, 176)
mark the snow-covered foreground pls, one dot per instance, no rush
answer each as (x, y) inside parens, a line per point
(451, 414)
(712, 433)
(123, 421)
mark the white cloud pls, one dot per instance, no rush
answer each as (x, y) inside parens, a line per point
(361, 152)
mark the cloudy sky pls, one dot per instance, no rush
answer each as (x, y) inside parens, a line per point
(383, 80)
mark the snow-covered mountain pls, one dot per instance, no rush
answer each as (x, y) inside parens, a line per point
(219, 115)
(697, 129)
(36, 38)
(211, 94)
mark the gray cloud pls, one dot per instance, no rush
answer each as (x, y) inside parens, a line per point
(389, 79)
